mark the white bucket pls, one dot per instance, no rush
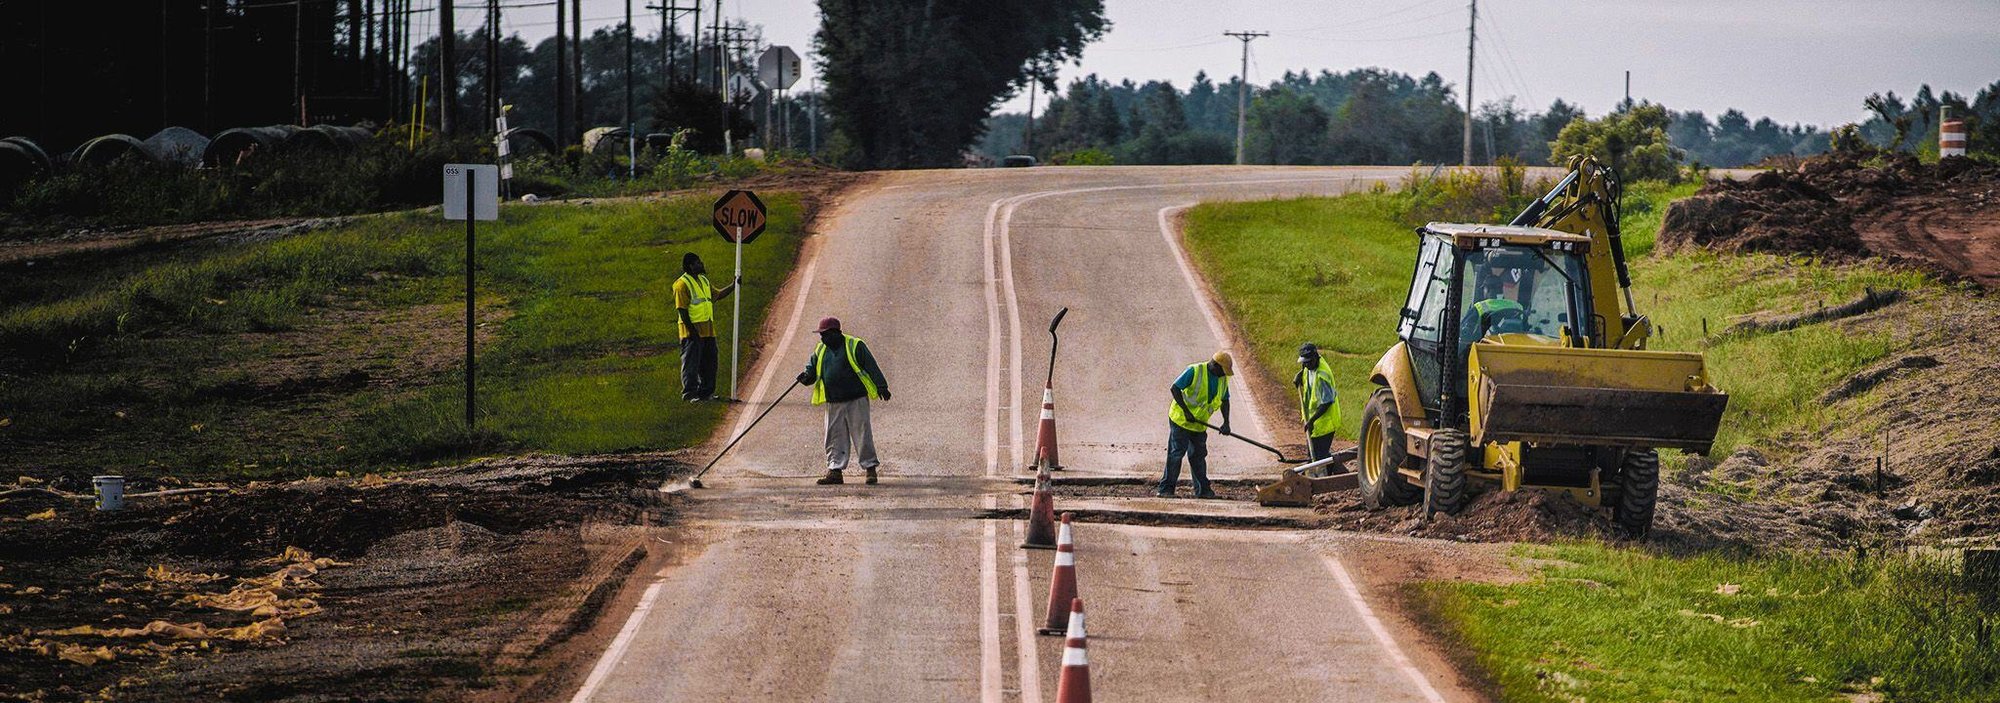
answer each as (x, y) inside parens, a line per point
(110, 492)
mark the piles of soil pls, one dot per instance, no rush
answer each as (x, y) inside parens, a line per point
(1944, 217)
(1492, 516)
(424, 583)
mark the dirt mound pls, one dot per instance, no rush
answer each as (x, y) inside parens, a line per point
(1492, 516)
(1768, 213)
(416, 583)
(1944, 217)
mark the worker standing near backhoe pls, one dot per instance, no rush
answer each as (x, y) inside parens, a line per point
(844, 378)
(694, 303)
(1200, 391)
(1319, 401)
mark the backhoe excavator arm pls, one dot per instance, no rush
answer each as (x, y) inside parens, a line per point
(1586, 202)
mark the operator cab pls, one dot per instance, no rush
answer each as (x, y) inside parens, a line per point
(1496, 283)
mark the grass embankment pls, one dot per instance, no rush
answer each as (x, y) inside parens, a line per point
(342, 349)
(1610, 623)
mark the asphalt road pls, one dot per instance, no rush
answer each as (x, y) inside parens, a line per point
(900, 591)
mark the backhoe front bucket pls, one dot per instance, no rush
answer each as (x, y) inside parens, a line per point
(1605, 397)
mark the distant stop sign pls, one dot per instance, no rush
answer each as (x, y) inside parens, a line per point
(739, 213)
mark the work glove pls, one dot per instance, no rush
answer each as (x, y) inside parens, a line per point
(885, 394)
(1225, 428)
(805, 378)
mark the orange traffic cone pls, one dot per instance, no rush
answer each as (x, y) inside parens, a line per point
(1045, 436)
(1062, 585)
(1074, 686)
(1042, 515)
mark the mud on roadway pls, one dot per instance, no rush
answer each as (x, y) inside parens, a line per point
(443, 583)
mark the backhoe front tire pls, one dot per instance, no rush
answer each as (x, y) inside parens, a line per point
(1444, 476)
(1638, 492)
(1384, 450)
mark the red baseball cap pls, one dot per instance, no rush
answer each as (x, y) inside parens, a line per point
(828, 323)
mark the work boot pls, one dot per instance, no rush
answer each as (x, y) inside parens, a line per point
(831, 478)
(871, 477)
(1165, 493)
(1205, 494)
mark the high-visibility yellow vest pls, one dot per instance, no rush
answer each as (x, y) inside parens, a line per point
(1199, 401)
(1493, 305)
(701, 298)
(819, 371)
(1309, 380)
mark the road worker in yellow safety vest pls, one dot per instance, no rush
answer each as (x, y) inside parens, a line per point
(1200, 391)
(694, 304)
(1319, 400)
(844, 377)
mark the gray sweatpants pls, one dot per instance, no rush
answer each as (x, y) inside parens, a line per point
(847, 424)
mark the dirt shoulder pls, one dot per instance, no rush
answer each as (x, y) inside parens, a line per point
(430, 584)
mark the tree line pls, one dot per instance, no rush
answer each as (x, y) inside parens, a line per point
(1376, 116)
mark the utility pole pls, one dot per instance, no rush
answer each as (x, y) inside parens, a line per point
(576, 66)
(631, 128)
(562, 76)
(299, 60)
(1628, 89)
(492, 62)
(1243, 90)
(447, 69)
(1471, 35)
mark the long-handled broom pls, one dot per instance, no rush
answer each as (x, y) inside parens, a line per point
(695, 482)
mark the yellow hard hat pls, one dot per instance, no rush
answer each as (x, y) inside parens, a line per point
(1227, 363)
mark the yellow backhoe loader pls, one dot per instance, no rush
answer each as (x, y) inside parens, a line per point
(1523, 363)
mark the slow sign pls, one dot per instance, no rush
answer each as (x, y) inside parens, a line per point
(739, 213)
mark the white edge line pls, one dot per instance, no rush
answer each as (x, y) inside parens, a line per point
(990, 673)
(987, 286)
(1210, 310)
(1396, 655)
(1027, 653)
(772, 360)
(609, 661)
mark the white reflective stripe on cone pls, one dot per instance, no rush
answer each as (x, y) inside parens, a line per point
(1075, 656)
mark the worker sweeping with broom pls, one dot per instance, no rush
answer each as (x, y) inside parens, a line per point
(844, 378)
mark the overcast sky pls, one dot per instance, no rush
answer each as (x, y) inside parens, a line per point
(1808, 61)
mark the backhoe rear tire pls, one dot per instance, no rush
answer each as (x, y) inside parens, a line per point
(1444, 476)
(1638, 492)
(1384, 449)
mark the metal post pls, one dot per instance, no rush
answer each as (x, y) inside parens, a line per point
(471, 217)
(736, 318)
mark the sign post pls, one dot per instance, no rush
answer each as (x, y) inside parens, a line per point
(471, 193)
(739, 218)
(778, 68)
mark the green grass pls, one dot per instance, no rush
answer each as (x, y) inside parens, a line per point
(163, 366)
(1334, 271)
(1605, 624)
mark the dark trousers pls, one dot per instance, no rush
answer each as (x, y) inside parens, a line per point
(1183, 442)
(1322, 446)
(697, 367)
